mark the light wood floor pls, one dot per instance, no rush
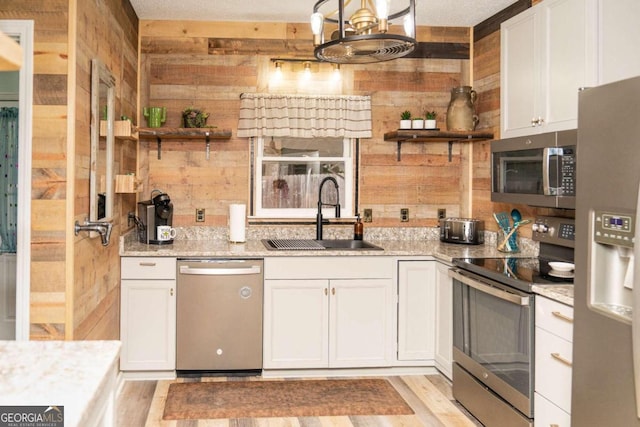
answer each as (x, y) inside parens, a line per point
(141, 404)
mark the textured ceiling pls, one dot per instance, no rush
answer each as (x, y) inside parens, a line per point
(449, 13)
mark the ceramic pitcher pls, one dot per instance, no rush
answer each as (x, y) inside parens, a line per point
(461, 112)
(155, 116)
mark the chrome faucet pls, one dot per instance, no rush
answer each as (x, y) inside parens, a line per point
(320, 204)
(101, 227)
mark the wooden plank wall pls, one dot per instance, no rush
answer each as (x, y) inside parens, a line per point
(209, 64)
(107, 30)
(74, 283)
(49, 175)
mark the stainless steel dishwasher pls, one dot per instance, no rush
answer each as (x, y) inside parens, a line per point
(219, 315)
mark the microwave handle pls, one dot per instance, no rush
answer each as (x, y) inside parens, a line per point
(547, 152)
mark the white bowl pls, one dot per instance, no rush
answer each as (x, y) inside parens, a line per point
(561, 266)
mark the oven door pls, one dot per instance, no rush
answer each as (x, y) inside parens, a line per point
(493, 337)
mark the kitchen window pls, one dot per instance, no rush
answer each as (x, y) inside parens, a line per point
(287, 173)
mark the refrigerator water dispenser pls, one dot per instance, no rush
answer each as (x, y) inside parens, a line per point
(611, 278)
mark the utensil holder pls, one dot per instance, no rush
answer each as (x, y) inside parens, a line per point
(512, 243)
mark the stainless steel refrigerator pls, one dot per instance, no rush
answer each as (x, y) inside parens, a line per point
(606, 341)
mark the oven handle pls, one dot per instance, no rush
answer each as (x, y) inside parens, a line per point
(547, 152)
(498, 293)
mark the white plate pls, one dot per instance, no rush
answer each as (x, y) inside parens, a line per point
(561, 266)
(562, 274)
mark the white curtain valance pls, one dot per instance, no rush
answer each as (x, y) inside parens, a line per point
(304, 116)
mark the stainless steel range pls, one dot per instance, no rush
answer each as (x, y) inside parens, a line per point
(493, 325)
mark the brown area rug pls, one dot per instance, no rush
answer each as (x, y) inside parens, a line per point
(310, 398)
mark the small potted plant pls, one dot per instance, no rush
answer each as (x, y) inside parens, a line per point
(194, 118)
(417, 123)
(405, 120)
(430, 120)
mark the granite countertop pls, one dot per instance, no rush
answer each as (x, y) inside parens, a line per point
(255, 248)
(73, 374)
(560, 293)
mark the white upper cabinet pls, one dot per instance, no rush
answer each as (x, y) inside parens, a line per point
(548, 52)
(618, 40)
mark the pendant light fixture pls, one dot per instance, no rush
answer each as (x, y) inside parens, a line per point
(363, 34)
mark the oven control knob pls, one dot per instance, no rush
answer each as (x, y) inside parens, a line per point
(540, 228)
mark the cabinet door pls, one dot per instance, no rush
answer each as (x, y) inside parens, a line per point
(296, 324)
(520, 63)
(547, 414)
(619, 56)
(361, 323)
(416, 310)
(444, 319)
(568, 59)
(548, 52)
(148, 325)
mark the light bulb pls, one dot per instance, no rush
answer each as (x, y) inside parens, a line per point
(306, 75)
(278, 75)
(382, 12)
(408, 26)
(336, 72)
(317, 24)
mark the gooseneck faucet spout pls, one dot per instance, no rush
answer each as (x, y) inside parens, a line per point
(320, 204)
(101, 227)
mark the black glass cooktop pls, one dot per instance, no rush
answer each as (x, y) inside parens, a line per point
(520, 273)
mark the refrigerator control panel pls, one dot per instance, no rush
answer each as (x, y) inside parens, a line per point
(613, 228)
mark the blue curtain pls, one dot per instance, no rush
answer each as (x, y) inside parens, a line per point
(8, 178)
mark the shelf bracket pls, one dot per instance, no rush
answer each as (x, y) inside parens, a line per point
(450, 149)
(399, 150)
(208, 143)
(159, 147)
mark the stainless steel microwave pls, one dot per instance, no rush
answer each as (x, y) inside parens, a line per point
(536, 170)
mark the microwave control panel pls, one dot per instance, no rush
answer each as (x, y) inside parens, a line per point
(613, 228)
(568, 171)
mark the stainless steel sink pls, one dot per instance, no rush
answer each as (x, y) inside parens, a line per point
(345, 244)
(314, 245)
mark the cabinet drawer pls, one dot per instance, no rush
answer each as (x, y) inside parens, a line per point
(553, 368)
(549, 415)
(148, 268)
(335, 267)
(554, 317)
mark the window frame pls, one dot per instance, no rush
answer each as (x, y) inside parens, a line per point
(349, 159)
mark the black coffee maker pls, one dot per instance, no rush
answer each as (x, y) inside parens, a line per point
(153, 213)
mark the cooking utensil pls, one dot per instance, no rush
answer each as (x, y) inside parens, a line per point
(516, 215)
(502, 218)
(510, 233)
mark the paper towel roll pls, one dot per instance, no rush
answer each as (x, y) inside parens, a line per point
(237, 221)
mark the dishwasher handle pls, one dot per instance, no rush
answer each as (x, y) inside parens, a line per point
(185, 269)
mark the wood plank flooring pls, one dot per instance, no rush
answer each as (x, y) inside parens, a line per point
(141, 404)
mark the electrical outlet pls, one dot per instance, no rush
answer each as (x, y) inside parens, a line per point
(404, 215)
(442, 213)
(368, 215)
(199, 214)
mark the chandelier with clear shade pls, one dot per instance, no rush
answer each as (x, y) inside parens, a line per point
(363, 31)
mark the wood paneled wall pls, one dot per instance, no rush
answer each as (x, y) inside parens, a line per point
(209, 65)
(74, 281)
(107, 30)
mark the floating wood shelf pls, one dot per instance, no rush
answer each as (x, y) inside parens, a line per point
(416, 135)
(184, 133)
(122, 129)
(128, 184)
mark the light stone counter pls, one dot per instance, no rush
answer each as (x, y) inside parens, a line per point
(212, 242)
(79, 375)
(560, 293)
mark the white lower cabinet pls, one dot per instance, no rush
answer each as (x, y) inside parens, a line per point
(148, 314)
(553, 358)
(444, 319)
(425, 313)
(328, 312)
(416, 310)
